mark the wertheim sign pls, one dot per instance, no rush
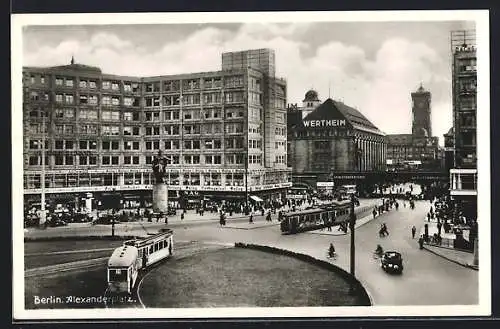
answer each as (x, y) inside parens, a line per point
(324, 123)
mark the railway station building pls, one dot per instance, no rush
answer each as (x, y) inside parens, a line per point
(224, 132)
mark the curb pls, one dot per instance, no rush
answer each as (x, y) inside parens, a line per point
(472, 267)
(364, 294)
(80, 238)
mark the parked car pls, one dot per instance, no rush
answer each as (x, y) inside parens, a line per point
(392, 261)
(57, 223)
(107, 219)
(81, 218)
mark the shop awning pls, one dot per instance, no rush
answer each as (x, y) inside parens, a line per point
(256, 198)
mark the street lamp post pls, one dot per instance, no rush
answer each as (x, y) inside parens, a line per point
(352, 223)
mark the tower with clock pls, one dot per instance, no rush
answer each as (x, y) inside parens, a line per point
(421, 110)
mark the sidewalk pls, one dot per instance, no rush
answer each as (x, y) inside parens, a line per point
(446, 250)
(453, 255)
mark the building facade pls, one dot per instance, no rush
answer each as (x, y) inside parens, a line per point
(418, 150)
(334, 142)
(224, 132)
(463, 175)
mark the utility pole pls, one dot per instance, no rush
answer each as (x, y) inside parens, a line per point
(246, 183)
(43, 216)
(352, 222)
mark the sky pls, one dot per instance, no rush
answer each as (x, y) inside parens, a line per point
(372, 66)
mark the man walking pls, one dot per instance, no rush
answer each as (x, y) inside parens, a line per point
(413, 232)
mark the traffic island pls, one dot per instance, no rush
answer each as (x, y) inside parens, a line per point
(248, 276)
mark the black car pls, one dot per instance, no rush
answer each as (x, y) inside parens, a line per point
(392, 261)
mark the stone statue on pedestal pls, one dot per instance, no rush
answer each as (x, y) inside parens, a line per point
(159, 165)
(160, 190)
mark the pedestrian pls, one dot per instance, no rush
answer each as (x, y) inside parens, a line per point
(250, 219)
(439, 225)
(421, 242)
(413, 231)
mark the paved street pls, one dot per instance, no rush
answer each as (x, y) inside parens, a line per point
(427, 279)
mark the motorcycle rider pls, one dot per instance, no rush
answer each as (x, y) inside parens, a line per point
(379, 251)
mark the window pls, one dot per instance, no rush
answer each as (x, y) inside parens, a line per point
(88, 114)
(69, 159)
(131, 145)
(127, 116)
(152, 131)
(88, 129)
(106, 84)
(128, 101)
(233, 81)
(59, 160)
(115, 85)
(127, 87)
(191, 129)
(106, 160)
(92, 84)
(93, 100)
(115, 101)
(111, 130)
(111, 115)
(59, 81)
(106, 100)
(69, 82)
(83, 84)
(42, 79)
(59, 98)
(68, 99)
(212, 98)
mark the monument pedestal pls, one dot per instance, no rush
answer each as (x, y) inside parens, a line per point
(160, 198)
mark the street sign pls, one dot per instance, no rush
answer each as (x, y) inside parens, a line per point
(324, 184)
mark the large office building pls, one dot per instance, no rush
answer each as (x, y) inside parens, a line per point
(463, 175)
(223, 131)
(332, 142)
(418, 150)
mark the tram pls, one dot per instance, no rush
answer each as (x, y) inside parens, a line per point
(135, 255)
(332, 214)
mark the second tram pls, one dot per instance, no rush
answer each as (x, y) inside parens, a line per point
(333, 214)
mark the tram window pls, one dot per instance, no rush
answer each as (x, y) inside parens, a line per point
(117, 275)
(151, 249)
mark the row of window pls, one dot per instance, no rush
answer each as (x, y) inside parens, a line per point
(92, 160)
(171, 85)
(192, 99)
(170, 130)
(210, 144)
(73, 180)
(149, 116)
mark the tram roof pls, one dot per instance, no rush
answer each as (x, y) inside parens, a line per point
(320, 208)
(152, 237)
(123, 256)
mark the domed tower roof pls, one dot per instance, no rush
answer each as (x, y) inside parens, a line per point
(311, 96)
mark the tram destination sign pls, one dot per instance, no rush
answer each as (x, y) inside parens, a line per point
(324, 123)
